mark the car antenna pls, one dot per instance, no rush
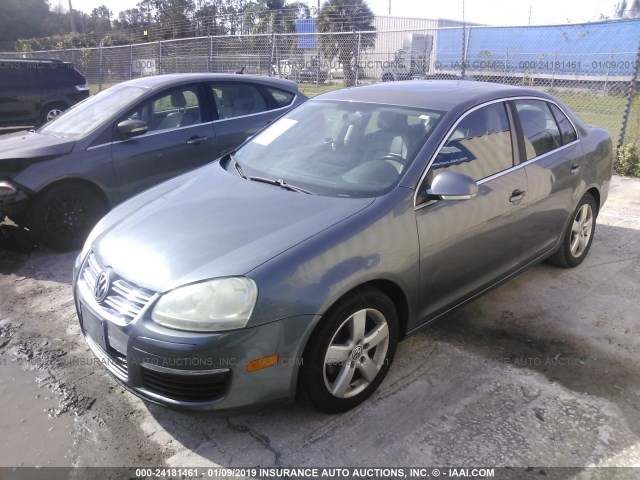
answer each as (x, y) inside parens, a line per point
(240, 72)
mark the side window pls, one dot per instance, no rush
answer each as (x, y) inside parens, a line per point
(541, 134)
(480, 146)
(282, 98)
(237, 99)
(177, 108)
(566, 129)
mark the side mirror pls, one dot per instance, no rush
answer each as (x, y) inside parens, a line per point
(131, 128)
(452, 186)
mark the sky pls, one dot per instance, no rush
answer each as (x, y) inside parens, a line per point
(491, 12)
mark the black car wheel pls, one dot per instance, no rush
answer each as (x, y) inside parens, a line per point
(578, 235)
(63, 215)
(351, 351)
(50, 112)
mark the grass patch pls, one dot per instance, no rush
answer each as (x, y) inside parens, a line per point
(311, 89)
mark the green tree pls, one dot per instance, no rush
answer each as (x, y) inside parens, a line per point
(99, 21)
(345, 16)
(23, 19)
(277, 16)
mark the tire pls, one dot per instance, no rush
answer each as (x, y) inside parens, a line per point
(338, 379)
(50, 112)
(62, 215)
(578, 236)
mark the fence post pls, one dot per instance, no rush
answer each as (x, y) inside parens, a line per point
(100, 67)
(465, 47)
(209, 53)
(130, 62)
(159, 57)
(358, 55)
(630, 96)
(506, 64)
(606, 80)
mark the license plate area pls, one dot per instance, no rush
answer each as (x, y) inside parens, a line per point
(93, 327)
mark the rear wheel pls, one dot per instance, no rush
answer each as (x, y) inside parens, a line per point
(51, 111)
(578, 235)
(351, 351)
(63, 215)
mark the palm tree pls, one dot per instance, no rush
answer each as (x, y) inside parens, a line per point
(345, 16)
(277, 16)
(628, 9)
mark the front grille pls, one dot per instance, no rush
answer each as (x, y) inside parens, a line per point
(124, 300)
(115, 363)
(185, 388)
(118, 361)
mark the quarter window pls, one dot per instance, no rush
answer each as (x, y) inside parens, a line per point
(541, 133)
(480, 146)
(281, 97)
(566, 129)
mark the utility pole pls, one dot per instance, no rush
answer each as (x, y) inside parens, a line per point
(73, 20)
(530, 7)
(389, 7)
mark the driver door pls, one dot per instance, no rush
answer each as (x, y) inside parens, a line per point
(466, 245)
(180, 138)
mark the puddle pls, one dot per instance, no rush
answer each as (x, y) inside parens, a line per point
(28, 436)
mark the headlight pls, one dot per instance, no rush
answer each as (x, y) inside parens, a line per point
(215, 305)
(6, 188)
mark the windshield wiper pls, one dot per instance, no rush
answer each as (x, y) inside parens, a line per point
(237, 165)
(282, 184)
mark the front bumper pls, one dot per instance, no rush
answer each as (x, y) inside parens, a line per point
(194, 370)
(14, 205)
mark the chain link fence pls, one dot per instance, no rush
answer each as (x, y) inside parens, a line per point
(591, 67)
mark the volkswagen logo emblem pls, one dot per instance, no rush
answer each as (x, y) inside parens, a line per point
(103, 284)
(355, 354)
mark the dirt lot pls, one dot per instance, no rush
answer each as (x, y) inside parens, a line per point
(544, 371)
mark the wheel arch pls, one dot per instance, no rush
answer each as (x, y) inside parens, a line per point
(77, 181)
(595, 193)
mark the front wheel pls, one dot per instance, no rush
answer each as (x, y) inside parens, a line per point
(63, 215)
(351, 351)
(578, 235)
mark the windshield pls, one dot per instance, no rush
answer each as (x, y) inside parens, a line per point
(92, 112)
(335, 148)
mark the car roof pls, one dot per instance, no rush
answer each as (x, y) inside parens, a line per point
(442, 95)
(167, 80)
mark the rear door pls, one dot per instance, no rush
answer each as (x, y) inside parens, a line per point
(466, 245)
(180, 138)
(553, 157)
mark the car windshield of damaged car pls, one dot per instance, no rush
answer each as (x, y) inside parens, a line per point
(333, 148)
(93, 112)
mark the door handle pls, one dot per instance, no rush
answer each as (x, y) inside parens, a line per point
(516, 196)
(196, 140)
(574, 168)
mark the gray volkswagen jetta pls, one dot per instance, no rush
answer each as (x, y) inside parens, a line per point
(296, 263)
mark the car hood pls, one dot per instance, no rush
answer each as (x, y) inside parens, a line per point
(21, 149)
(210, 223)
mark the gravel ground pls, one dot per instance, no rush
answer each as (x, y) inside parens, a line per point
(541, 372)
